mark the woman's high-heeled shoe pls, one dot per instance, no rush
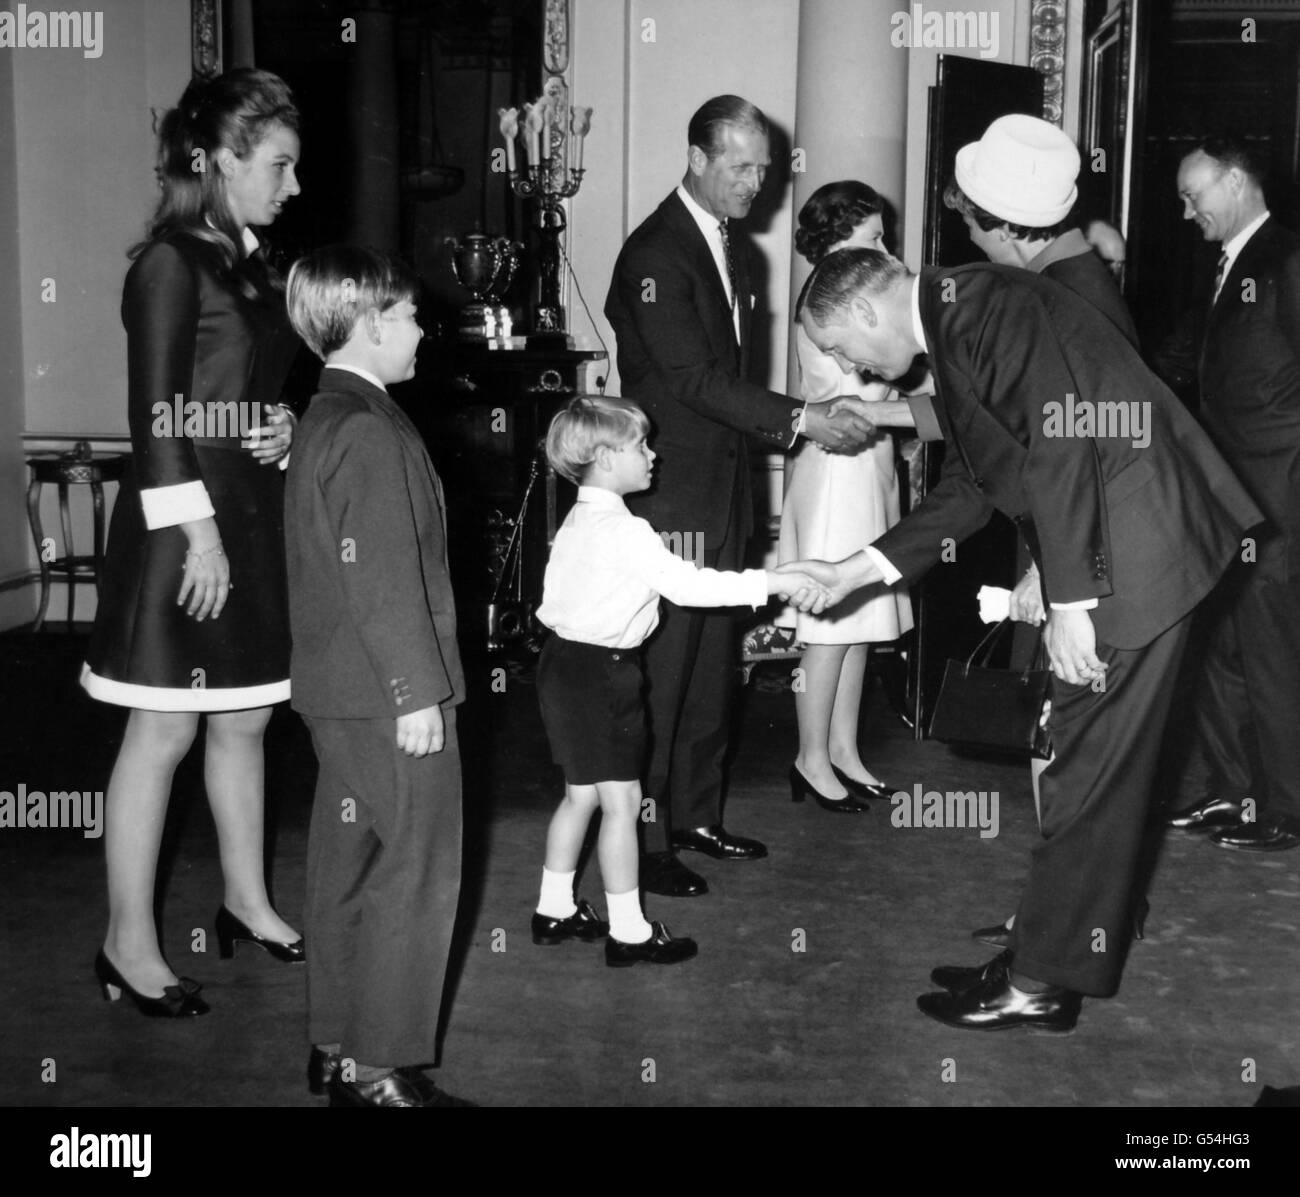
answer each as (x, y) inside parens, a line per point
(231, 930)
(864, 789)
(996, 936)
(801, 788)
(1140, 918)
(999, 935)
(178, 1001)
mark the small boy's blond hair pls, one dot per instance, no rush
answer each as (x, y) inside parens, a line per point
(587, 423)
(330, 289)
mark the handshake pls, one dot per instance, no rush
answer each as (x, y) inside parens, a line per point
(813, 586)
(849, 424)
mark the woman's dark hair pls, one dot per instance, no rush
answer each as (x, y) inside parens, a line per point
(235, 111)
(831, 214)
(956, 199)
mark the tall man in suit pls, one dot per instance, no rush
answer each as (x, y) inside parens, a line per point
(1242, 343)
(1132, 516)
(680, 305)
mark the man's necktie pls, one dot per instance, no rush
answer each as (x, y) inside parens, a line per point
(730, 259)
(1218, 278)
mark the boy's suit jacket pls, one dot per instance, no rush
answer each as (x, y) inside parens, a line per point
(1245, 352)
(1146, 530)
(370, 600)
(679, 360)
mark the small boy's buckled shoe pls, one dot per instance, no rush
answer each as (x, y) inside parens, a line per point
(660, 948)
(583, 923)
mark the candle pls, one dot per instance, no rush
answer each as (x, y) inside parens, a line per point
(581, 126)
(533, 127)
(546, 128)
(509, 130)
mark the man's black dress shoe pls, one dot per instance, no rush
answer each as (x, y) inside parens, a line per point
(1257, 837)
(660, 948)
(994, 1004)
(322, 1067)
(958, 979)
(662, 873)
(718, 842)
(1205, 815)
(583, 923)
(393, 1090)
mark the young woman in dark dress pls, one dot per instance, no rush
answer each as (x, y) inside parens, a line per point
(193, 617)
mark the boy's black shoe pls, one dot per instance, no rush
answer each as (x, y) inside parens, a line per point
(583, 923)
(392, 1090)
(430, 1094)
(660, 948)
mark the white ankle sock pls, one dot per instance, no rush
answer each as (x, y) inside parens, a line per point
(626, 922)
(556, 901)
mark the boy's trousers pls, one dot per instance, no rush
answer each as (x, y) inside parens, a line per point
(383, 880)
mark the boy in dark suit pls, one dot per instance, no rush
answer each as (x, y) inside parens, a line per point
(376, 676)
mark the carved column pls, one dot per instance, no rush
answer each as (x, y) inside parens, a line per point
(1047, 53)
(205, 38)
(555, 83)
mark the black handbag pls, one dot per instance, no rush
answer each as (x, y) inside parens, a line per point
(1001, 709)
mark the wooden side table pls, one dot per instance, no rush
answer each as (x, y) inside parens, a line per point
(81, 467)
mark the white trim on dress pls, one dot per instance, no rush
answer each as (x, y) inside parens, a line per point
(165, 698)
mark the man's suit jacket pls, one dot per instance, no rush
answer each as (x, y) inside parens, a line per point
(370, 601)
(1245, 353)
(1072, 262)
(679, 360)
(1145, 530)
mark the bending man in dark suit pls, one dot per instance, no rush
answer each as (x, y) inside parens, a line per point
(1132, 516)
(680, 304)
(1242, 343)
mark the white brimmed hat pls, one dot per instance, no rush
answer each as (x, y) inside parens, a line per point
(1023, 170)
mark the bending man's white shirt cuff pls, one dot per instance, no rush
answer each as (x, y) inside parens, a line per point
(891, 575)
(167, 506)
(1081, 605)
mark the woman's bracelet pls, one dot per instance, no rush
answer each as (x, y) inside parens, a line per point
(216, 548)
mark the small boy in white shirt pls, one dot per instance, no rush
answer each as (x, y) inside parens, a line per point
(601, 598)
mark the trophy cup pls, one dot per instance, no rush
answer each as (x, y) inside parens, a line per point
(484, 266)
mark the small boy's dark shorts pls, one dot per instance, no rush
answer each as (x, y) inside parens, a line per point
(593, 710)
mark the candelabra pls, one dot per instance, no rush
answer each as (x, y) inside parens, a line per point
(541, 183)
(549, 179)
